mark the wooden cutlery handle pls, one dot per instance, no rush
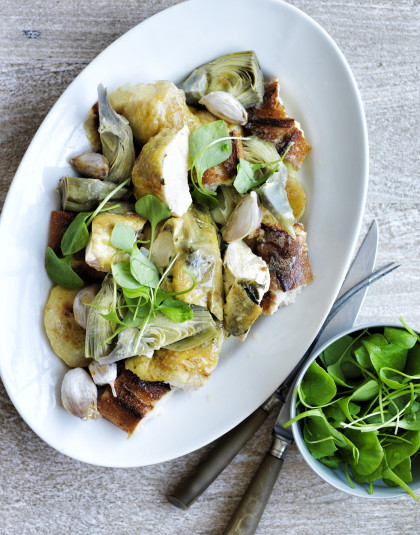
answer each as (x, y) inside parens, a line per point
(246, 518)
(225, 450)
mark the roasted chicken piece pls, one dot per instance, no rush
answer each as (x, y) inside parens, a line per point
(288, 262)
(136, 401)
(151, 107)
(189, 369)
(270, 121)
(162, 170)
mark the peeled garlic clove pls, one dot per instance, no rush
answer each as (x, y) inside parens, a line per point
(79, 395)
(244, 219)
(83, 298)
(91, 165)
(225, 106)
(104, 374)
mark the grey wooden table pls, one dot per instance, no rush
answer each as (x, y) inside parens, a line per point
(44, 44)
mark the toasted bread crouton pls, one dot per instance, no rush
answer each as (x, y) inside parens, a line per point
(135, 401)
(270, 121)
(288, 262)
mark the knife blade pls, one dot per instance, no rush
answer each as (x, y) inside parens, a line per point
(246, 517)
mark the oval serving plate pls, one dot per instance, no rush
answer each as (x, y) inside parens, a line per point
(318, 90)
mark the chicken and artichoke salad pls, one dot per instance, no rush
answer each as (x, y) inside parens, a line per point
(180, 228)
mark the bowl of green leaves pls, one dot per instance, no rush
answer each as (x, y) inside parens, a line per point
(356, 411)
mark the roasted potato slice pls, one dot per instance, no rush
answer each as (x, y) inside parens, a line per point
(66, 336)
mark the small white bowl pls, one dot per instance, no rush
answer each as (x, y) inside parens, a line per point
(337, 478)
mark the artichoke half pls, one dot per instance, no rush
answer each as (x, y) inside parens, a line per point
(238, 73)
(163, 332)
(116, 138)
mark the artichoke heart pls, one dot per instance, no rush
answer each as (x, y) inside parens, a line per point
(151, 107)
(116, 138)
(193, 238)
(84, 194)
(238, 73)
(160, 332)
(98, 329)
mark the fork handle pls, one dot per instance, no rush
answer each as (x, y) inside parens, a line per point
(207, 471)
(248, 514)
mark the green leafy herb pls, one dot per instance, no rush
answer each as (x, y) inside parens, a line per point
(143, 269)
(60, 271)
(122, 237)
(247, 178)
(75, 239)
(152, 209)
(361, 404)
(209, 145)
(76, 236)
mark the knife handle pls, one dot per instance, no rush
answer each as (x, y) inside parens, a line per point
(248, 514)
(226, 449)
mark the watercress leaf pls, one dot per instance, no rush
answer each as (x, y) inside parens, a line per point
(202, 153)
(152, 209)
(391, 378)
(362, 357)
(176, 310)
(411, 421)
(317, 387)
(396, 452)
(60, 271)
(143, 269)
(122, 274)
(318, 438)
(333, 352)
(112, 316)
(76, 236)
(334, 415)
(403, 471)
(366, 478)
(122, 237)
(332, 462)
(377, 339)
(140, 291)
(205, 199)
(400, 337)
(367, 390)
(412, 365)
(349, 408)
(388, 474)
(385, 356)
(370, 450)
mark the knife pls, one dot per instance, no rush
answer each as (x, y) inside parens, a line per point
(230, 443)
(246, 517)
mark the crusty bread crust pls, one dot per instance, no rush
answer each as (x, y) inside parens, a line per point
(135, 399)
(270, 121)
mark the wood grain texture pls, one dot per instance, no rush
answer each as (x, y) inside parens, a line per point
(43, 46)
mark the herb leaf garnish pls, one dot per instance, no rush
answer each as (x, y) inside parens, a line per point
(60, 271)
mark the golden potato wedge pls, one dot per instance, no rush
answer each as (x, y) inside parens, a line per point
(66, 336)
